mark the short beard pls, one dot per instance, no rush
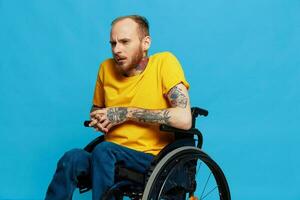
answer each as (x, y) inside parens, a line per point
(135, 64)
(137, 59)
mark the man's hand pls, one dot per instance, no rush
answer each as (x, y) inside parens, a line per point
(104, 119)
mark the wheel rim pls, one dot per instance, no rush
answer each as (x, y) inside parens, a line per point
(210, 180)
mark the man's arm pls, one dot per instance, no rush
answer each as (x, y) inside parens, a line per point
(178, 115)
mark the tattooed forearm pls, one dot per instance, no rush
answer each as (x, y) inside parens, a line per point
(161, 117)
(117, 115)
(177, 97)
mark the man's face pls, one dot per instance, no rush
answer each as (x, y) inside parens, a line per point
(126, 45)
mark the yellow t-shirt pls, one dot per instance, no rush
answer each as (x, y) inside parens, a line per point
(146, 90)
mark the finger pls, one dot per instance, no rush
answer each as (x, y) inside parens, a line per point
(94, 112)
(97, 116)
(99, 125)
(105, 123)
(102, 128)
(109, 126)
(100, 118)
(99, 111)
(93, 122)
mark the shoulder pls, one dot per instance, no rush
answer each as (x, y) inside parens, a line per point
(107, 62)
(166, 60)
(105, 68)
(163, 55)
(106, 65)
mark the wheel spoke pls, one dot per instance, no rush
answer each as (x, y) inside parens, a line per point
(209, 192)
(205, 185)
(198, 169)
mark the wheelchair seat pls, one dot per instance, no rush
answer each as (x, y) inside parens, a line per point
(173, 172)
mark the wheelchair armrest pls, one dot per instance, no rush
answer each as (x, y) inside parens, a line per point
(190, 132)
(90, 147)
(167, 128)
(181, 134)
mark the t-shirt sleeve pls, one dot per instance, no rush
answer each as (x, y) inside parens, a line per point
(172, 73)
(98, 99)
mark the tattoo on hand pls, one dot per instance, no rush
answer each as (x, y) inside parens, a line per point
(178, 98)
(117, 115)
(152, 117)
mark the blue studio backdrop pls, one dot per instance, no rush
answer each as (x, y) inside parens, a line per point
(240, 57)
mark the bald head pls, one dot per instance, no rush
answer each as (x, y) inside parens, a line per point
(141, 22)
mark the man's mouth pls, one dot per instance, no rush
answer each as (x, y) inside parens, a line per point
(120, 59)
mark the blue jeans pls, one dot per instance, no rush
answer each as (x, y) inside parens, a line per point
(98, 165)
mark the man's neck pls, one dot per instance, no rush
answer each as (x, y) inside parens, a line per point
(142, 64)
(139, 68)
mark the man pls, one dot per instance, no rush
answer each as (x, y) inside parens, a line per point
(134, 94)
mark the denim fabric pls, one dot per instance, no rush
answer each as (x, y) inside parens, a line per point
(99, 165)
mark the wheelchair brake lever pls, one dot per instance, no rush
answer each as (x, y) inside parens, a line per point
(86, 123)
(199, 111)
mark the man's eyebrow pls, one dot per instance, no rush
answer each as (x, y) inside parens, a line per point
(121, 39)
(125, 39)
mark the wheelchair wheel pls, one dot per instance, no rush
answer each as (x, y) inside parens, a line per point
(187, 173)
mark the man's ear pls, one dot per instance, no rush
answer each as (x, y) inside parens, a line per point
(146, 43)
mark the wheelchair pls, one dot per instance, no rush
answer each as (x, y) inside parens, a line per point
(180, 171)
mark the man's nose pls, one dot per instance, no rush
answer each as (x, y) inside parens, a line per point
(117, 48)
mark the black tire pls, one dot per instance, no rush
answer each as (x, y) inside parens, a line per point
(158, 185)
(113, 194)
(122, 190)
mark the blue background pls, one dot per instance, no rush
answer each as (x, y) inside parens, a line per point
(240, 57)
